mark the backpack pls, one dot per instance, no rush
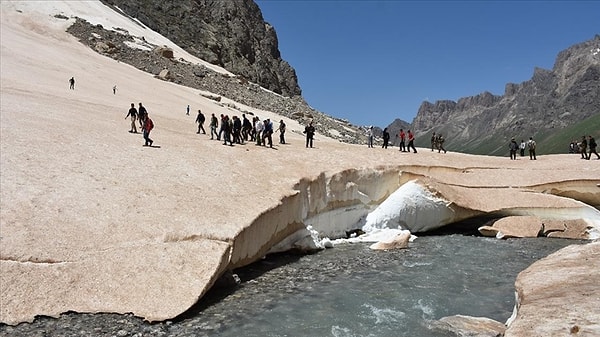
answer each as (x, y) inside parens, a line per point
(531, 145)
(150, 124)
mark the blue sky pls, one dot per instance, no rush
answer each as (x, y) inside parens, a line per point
(374, 61)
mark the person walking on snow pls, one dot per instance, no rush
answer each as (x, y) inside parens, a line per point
(200, 120)
(386, 138)
(592, 145)
(370, 136)
(133, 113)
(411, 141)
(281, 130)
(531, 145)
(148, 126)
(402, 141)
(142, 113)
(309, 130)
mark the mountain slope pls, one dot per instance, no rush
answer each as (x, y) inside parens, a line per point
(541, 107)
(230, 34)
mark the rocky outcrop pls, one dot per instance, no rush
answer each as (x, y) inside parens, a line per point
(230, 34)
(558, 295)
(533, 226)
(551, 100)
(460, 325)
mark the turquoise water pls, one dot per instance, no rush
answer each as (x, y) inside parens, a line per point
(351, 290)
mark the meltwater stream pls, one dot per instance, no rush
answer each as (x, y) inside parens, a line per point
(348, 290)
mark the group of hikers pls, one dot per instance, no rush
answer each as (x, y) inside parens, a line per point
(238, 131)
(582, 147)
(437, 142)
(140, 115)
(513, 147)
(403, 146)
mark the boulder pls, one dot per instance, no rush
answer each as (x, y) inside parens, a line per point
(164, 51)
(518, 227)
(399, 241)
(471, 326)
(165, 74)
(568, 229)
(558, 295)
(532, 226)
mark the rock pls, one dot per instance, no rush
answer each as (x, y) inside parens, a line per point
(558, 295)
(489, 231)
(518, 227)
(470, 326)
(531, 226)
(165, 74)
(400, 241)
(164, 51)
(568, 229)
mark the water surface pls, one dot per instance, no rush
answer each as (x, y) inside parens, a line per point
(348, 290)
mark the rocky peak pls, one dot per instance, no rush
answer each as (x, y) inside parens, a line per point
(230, 34)
(551, 100)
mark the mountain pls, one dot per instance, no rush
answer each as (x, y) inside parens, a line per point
(234, 36)
(126, 47)
(554, 107)
(230, 34)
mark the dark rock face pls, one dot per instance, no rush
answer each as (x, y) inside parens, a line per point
(231, 34)
(550, 101)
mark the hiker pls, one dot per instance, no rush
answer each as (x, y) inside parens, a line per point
(200, 120)
(214, 124)
(237, 130)
(531, 145)
(72, 83)
(227, 127)
(583, 147)
(309, 130)
(522, 148)
(246, 128)
(411, 141)
(370, 136)
(142, 113)
(386, 138)
(281, 130)
(148, 126)
(258, 129)
(115, 90)
(402, 141)
(512, 147)
(222, 128)
(133, 113)
(433, 141)
(439, 142)
(592, 144)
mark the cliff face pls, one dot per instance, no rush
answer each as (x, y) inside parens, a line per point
(230, 34)
(550, 101)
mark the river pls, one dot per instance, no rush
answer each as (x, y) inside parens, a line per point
(349, 290)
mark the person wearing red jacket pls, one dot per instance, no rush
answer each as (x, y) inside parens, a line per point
(148, 126)
(411, 141)
(402, 141)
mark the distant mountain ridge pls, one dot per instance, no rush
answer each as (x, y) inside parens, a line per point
(542, 107)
